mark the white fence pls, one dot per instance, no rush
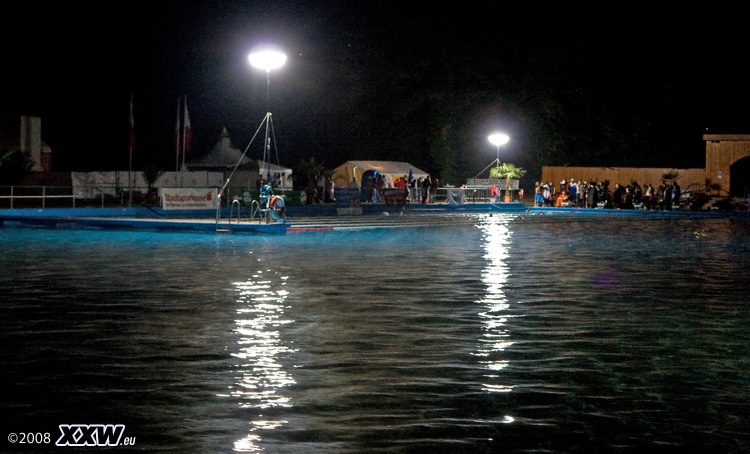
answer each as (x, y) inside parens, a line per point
(36, 196)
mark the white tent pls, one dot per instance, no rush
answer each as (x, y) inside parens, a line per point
(349, 171)
(223, 158)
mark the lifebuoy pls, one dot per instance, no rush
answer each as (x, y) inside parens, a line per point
(276, 206)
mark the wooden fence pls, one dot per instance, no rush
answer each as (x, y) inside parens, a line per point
(688, 178)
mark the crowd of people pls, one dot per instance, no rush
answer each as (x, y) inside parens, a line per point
(596, 194)
(423, 189)
(420, 190)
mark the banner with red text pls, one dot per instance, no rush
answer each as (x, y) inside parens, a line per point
(188, 198)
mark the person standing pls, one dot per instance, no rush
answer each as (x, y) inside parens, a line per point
(572, 190)
(379, 185)
(637, 194)
(661, 194)
(648, 197)
(426, 184)
(591, 196)
(538, 198)
(667, 197)
(617, 196)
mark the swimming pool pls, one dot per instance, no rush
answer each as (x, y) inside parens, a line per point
(500, 333)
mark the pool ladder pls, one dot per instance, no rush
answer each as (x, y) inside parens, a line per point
(227, 228)
(255, 209)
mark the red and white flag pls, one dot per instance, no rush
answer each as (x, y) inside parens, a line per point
(188, 133)
(131, 125)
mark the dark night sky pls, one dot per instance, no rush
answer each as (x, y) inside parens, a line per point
(667, 72)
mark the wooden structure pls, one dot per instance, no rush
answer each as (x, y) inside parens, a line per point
(728, 163)
(727, 171)
(695, 179)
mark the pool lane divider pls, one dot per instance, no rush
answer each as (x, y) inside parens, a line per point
(314, 229)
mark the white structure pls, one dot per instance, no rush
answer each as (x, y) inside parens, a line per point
(91, 185)
(210, 171)
(223, 158)
(25, 134)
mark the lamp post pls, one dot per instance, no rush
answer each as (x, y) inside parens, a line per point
(267, 59)
(498, 139)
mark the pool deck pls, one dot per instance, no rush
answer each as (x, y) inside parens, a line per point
(161, 225)
(135, 219)
(308, 218)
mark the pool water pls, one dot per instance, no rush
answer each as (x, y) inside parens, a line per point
(487, 334)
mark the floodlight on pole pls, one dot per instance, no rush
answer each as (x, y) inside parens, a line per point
(267, 59)
(498, 139)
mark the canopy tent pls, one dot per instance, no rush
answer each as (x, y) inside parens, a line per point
(221, 155)
(223, 158)
(352, 173)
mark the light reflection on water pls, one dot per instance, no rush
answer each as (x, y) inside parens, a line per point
(261, 376)
(507, 335)
(495, 335)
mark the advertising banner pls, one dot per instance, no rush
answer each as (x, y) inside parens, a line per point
(188, 198)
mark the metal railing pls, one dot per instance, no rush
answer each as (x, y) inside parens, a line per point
(472, 195)
(476, 194)
(36, 197)
(88, 196)
(105, 196)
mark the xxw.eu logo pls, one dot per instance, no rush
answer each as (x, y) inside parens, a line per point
(91, 435)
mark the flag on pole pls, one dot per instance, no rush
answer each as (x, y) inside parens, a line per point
(188, 133)
(131, 125)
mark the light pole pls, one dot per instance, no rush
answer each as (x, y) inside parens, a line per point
(497, 139)
(267, 59)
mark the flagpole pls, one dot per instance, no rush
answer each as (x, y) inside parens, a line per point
(184, 141)
(131, 140)
(177, 140)
(130, 179)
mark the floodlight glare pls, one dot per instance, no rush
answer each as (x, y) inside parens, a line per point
(267, 59)
(498, 139)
